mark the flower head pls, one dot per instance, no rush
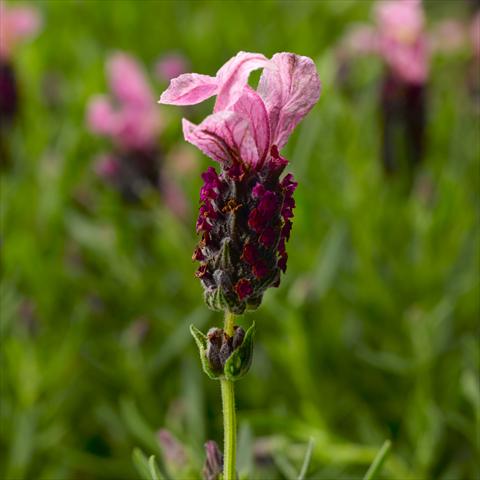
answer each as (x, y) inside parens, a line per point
(16, 24)
(398, 37)
(401, 38)
(246, 209)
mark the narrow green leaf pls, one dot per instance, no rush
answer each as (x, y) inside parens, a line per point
(141, 464)
(153, 469)
(307, 459)
(378, 461)
(245, 459)
(285, 467)
(201, 341)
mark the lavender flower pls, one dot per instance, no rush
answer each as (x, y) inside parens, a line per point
(129, 118)
(246, 208)
(400, 40)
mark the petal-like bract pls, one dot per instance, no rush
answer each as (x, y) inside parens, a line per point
(290, 87)
(402, 41)
(189, 89)
(251, 106)
(225, 137)
(233, 76)
(127, 80)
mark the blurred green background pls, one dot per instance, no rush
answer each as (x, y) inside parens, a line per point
(373, 333)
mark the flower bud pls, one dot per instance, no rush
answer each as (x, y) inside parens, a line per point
(225, 356)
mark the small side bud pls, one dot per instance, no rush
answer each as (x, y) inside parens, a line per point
(222, 355)
(214, 345)
(238, 336)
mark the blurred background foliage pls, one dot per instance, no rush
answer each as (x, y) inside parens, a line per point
(373, 333)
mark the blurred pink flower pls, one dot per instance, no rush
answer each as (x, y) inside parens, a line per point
(16, 24)
(130, 118)
(171, 66)
(402, 41)
(402, 20)
(127, 81)
(101, 115)
(398, 37)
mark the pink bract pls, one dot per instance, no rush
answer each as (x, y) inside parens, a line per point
(129, 117)
(16, 24)
(401, 19)
(127, 80)
(246, 124)
(401, 38)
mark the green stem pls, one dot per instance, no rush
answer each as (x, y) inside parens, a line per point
(229, 323)
(229, 416)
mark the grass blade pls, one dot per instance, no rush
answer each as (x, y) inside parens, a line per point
(141, 464)
(306, 461)
(377, 463)
(153, 468)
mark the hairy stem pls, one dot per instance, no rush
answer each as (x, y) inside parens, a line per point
(229, 323)
(229, 415)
